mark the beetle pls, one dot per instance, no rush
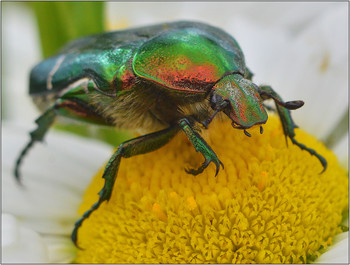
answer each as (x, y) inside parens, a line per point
(162, 79)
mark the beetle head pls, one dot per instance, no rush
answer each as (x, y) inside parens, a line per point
(239, 99)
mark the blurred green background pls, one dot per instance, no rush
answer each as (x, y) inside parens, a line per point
(60, 22)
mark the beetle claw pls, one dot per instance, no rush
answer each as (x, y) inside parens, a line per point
(247, 133)
(206, 163)
(218, 167)
(193, 171)
(205, 124)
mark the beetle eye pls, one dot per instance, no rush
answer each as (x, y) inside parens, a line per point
(216, 101)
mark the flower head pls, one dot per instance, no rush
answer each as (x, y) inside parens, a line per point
(300, 49)
(269, 204)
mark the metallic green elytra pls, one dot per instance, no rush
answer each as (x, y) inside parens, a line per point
(162, 79)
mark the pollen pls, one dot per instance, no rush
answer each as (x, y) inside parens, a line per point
(269, 204)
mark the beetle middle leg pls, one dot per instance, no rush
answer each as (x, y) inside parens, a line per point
(283, 109)
(140, 145)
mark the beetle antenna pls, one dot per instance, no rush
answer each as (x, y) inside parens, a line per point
(292, 105)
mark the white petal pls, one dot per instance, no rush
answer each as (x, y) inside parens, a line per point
(318, 72)
(54, 176)
(311, 65)
(9, 230)
(21, 244)
(262, 47)
(61, 249)
(338, 253)
(342, 150)
(19, 27)
(284, 15)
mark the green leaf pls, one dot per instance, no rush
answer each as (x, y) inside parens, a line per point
(60, 22)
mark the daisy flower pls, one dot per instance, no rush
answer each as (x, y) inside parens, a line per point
(269, 204)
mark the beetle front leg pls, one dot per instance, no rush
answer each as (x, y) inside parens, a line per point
(201, 146)
(140, 145)
(283, 108)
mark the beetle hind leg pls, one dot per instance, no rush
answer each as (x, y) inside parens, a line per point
(74, 104)
(283, 109)
(44, 122)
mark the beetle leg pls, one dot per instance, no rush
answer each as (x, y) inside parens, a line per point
(74, 104)
(140, 145)
(220, 108)
(201, 146)
(283, 108)
(44, 122)
(266, 92)
(72, 108)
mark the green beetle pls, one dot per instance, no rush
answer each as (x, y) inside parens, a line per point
(161, 79)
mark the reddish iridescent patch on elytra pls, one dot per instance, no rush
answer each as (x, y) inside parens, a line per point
(192, 77)
(188, 61)
(180, 73)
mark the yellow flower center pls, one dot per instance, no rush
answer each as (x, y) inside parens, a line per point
(269, 204)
